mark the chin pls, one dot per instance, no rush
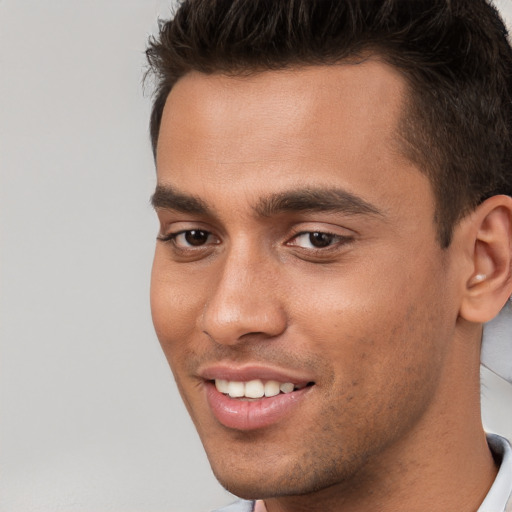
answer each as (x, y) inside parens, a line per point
(261, 479)
(255, 479)
(254, 489)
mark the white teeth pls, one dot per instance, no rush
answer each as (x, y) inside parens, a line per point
(271, 388)
(287, 387)
(222, 386)
(236, 389)
(252, 389)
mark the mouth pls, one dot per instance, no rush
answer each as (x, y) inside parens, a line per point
(254, 398)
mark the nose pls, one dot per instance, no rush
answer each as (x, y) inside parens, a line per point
(243, 302)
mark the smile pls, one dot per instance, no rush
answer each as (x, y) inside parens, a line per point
(254, 403)
(256, 388)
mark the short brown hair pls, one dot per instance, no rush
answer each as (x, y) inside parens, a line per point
(454, 55)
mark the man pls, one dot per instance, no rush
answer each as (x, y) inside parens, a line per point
(334, 182)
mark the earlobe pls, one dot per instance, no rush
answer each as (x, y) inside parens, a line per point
(478, 278)
(490, 284)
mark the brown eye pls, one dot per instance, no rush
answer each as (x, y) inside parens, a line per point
(190, 238)
(196, 237)
(317, 240)
(320, 240)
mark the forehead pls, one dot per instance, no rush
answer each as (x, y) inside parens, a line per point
(362, 96)
(311, 126)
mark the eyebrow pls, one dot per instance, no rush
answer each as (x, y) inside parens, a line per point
(315, 200)
(299, 200)
(166, 197)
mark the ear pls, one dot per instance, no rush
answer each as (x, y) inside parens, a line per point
(489, 231)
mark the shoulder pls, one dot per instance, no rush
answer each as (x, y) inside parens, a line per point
(238, 506)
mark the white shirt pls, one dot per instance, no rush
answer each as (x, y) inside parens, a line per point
(499, 497)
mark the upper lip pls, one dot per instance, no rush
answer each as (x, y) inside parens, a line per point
(252, 372)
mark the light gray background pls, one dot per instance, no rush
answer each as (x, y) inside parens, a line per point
(90, 418)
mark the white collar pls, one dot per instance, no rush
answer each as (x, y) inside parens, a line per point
(499, 497)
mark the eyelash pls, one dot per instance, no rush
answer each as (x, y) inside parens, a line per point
(338, 240)
(172, 237)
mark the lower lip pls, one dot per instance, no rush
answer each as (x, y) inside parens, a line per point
(253, 414)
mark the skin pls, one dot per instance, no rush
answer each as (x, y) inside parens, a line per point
(392, 421)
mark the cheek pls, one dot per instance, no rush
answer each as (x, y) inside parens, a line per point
(175, 306)
(375, 325)
(384, 364)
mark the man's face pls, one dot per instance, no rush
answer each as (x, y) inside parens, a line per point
(298, 250)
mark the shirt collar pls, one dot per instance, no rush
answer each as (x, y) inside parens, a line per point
(499, 497)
